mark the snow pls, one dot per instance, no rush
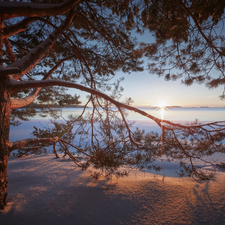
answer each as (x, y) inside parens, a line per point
(45, 190)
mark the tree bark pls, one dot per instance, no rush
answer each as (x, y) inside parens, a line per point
(1, 39)
(4, 138)
(17, 9)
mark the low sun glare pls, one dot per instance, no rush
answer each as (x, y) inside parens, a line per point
(162, 104)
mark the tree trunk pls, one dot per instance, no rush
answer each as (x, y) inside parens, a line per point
(4, 138)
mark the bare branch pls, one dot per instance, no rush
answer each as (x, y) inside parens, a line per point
(19, 85)
(199, 28)
(18, 103)
(67, 152)
(18, 27)
(9, 50)
(32, 58)
(6, 71)
(30, 141)
(2, 60)
(128, 130)
(79, 149)
(54, 150)
(17, 9)
(165, 124)
(19, 46)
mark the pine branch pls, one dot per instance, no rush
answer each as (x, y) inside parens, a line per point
(30, 141)
(19, 27)
(18, 103)
(32, 58)
(209, 42)
(17, 9)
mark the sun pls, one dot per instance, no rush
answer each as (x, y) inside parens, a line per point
(162, 104)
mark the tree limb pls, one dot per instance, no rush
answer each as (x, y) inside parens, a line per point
(128, 130)
(2, 60)
(19, 85)
(17, 9)
(19, 46)
(32, 58)
(6, 71)
(18, 27)
(9, 49)
(74, 47)
(18, 103)
(30, 141)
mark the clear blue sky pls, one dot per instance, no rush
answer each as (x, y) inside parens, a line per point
(148, 90)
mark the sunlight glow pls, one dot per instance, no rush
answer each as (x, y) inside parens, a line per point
(162, 111)
(162, 104)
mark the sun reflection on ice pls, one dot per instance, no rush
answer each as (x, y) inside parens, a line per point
(162, 111)
(162, 106)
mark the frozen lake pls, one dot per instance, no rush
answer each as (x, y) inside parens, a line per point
(180, 115)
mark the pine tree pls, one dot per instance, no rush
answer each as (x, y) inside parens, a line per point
(48, 46)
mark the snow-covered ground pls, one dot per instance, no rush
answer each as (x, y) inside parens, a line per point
(43, 190)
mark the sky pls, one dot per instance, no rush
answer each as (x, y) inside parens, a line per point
(148, 90)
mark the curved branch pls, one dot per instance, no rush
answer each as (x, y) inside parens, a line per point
(30, 141)
(128, 130)
(19, 46)
(9, 49)
(79, 149)
(19, 85)
(32, 58)
(17, 9)
(67, 152)
(18, 27)
(18, 103)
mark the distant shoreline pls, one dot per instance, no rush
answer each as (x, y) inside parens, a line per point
(181, 107)
(39, 106)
